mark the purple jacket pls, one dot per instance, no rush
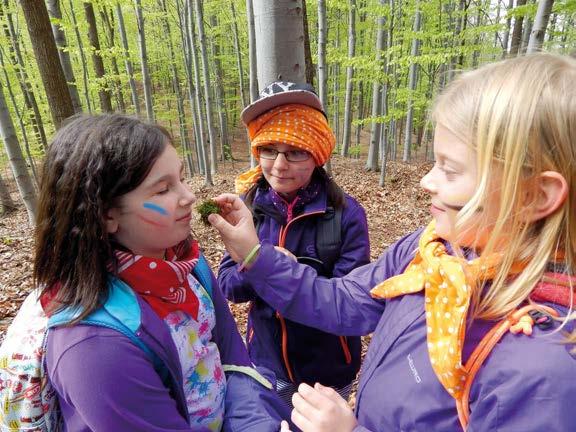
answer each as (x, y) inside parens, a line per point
(283, 345)
(526, 384)
(106, 383)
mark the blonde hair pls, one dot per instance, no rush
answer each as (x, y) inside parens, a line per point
(520, 116)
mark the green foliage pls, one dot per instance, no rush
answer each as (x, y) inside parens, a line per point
(206, 208)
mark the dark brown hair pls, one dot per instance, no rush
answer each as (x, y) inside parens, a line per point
(91, 161)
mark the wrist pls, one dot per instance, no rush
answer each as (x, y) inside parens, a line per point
(250, 258)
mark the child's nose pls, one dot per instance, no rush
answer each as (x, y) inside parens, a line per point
(281, 162)
(188, 197)
(427, 183)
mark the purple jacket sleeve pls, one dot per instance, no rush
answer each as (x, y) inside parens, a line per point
(249, 405)
(231, 282)
(339, 305)
(139, 401)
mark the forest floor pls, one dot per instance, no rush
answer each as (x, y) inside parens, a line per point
(397, 209)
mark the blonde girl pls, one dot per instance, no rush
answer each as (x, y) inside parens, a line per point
(503, 235)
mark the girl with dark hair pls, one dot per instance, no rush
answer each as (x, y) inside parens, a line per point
(298, 208)
(113, 236)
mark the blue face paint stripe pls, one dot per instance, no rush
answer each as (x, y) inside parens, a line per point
(155, 208)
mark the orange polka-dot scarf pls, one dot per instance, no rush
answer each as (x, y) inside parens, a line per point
(297, 125)
(447, 282)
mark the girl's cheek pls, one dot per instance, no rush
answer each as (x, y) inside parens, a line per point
(155, 215)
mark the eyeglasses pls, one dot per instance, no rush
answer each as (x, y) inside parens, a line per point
(290, 155)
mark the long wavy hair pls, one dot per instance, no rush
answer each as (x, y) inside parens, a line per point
(91, 161)
(520, 117)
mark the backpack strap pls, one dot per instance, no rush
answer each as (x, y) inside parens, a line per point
(204, 274)
(483, 350)
(329, 237)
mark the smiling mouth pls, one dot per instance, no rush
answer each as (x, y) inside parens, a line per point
(187, 216)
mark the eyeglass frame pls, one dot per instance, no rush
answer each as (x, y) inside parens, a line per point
(285, 153)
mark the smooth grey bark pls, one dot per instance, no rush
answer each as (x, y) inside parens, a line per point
(82, 58)
(540, 24)
(375, 126)
(22, 76)
(97, 61)
(349, 76)
(336, 86)
(60, 38)
(200, 145)
(252, 65)
(46, 53)
(225, 151)
(20, 120)
(526, 35)
(238, 54)
(307, 51)
(176, 86)
(359, 113)
(127, 60)
(198, 8)
(8, 204)
(108, 20)
(17, 162)
(144, 62)
(412, 78)
(322, 71)
(279, 31)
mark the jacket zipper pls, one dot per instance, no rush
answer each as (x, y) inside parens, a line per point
(343, 340)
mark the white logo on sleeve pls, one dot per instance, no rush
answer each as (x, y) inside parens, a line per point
(413, 369)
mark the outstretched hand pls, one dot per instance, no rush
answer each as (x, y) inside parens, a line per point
(235, 225)
(321, 409)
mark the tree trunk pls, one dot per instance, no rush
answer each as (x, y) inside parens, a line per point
(127, 61)
(540, 24)
(307, 51)
(103, 92)
(372, 159)
(20, 120)
(506, 38)
(144, 62)
(8, 205)
(322, 72)
(225, 151)
(253, 67)
(60, 38)
(280, 58)
(82, 58)
(238, 54)
(517, 32)
(349, 76)
(17, 162)
(46, 54)
(336, 85)
(359, 112)
(108, 20)
(412, 78)
(23, 80)
(207, 99)
(526, 35)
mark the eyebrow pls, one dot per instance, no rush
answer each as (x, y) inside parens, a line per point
(166, 177)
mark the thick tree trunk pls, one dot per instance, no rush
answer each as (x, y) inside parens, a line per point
(349, 76)
(60, 38)
(280, 58)
(307, 51)
(206, 72)
(103, 92)
(144, 62)
(17, 162)
(252, 63)
(46, 54)
(526, 35)
(412, 79)
(540, 24)
(322, 72)
(127, 61)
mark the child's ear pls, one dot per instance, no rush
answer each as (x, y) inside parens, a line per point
(550, 192)
(111, 220)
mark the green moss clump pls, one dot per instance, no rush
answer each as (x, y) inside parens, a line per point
(206, 208)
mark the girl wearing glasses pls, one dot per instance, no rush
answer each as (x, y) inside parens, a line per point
(300, 210)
